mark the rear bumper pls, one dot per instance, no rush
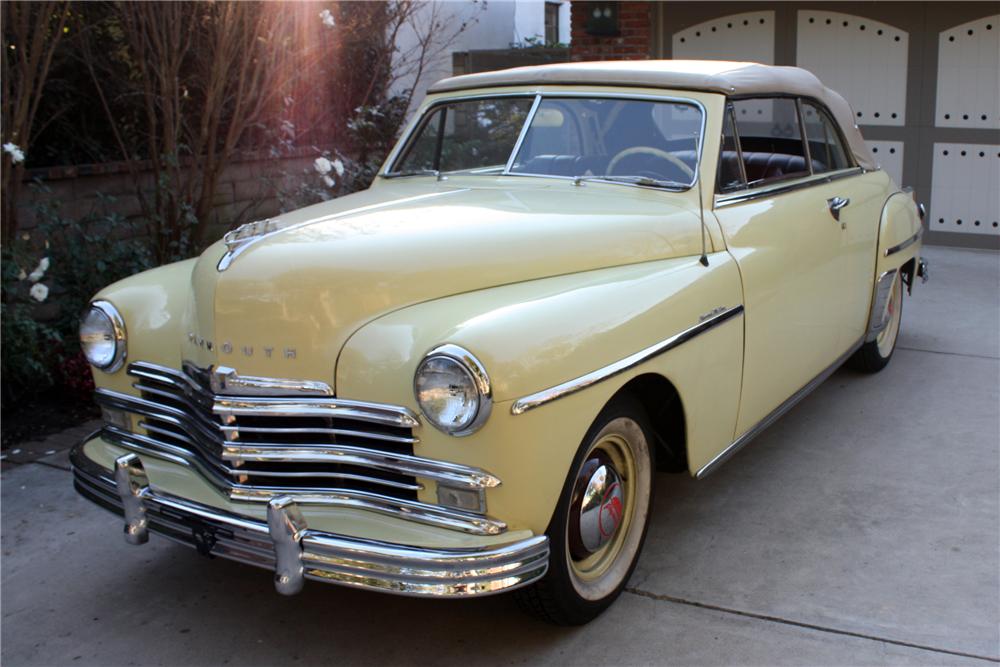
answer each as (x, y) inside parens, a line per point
(286, 545)
(922, 270)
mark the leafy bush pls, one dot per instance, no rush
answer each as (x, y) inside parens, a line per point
(49, 277)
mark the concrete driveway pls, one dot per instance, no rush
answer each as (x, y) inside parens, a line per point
(861, 528)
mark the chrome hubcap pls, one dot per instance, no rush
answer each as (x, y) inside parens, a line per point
(598, 506)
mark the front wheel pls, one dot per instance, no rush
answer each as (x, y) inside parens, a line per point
(600, 524)
(874, 355)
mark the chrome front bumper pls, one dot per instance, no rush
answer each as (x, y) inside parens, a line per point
(286, 545)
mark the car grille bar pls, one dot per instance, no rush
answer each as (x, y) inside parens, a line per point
(318, 450)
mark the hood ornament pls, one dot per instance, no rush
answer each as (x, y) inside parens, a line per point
(238, 239)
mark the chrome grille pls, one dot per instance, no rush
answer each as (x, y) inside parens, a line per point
(317, 449)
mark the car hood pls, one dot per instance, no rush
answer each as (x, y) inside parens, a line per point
(296, 288)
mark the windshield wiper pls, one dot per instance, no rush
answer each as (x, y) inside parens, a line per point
(413, 172)
(636, 180)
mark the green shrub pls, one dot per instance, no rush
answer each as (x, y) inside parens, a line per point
(48, 278)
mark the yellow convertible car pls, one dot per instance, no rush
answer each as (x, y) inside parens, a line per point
(462, 380)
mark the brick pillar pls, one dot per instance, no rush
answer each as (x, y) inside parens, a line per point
(635, 21)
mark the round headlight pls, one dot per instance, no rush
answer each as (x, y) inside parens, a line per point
(453, 390)
(102, 336)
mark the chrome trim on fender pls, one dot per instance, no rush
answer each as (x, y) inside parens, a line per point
(904, 245)
(760, 426)
(532, 401)
(287, 545)
(121, 338)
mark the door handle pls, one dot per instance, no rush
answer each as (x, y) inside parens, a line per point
(835, 205)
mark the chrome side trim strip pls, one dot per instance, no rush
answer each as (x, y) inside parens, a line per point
(531, 402)
(799, 184)
(434, 515)
(760, 426)
(287, 545)
(904, 245)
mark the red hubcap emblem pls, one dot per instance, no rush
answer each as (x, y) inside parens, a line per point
(611, 511)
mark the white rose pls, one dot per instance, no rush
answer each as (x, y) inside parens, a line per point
(329, 181)
(327, 18)
(39, 292)
(39, 271)
(16, 154)
(338, 167)
(322, 165)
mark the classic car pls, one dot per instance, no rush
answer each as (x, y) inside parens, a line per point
(464, 379)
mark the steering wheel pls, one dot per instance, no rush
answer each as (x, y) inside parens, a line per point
(655, 152)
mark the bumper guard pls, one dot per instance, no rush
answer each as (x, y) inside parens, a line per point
(286, 545)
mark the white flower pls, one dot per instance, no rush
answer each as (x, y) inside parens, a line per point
(338, 167)
(288, 127)
(329, 181)
(22, 275)
(39, 271)
(327, 18)
(322, 165)
(16, 154)
(39, 292)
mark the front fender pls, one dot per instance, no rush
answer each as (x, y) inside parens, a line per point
(152, 304)
(538, 334)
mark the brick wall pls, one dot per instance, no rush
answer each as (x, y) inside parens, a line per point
(247, 190)
(635, 23)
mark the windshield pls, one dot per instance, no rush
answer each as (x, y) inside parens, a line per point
(640, 141)
(466, 135)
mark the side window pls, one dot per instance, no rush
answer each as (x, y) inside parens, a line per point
(770, 140)
(730, 169)
(825, 148)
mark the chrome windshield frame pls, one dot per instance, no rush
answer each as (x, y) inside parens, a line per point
(538, 95)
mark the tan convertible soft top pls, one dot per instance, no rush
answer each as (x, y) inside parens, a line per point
(716, 76)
